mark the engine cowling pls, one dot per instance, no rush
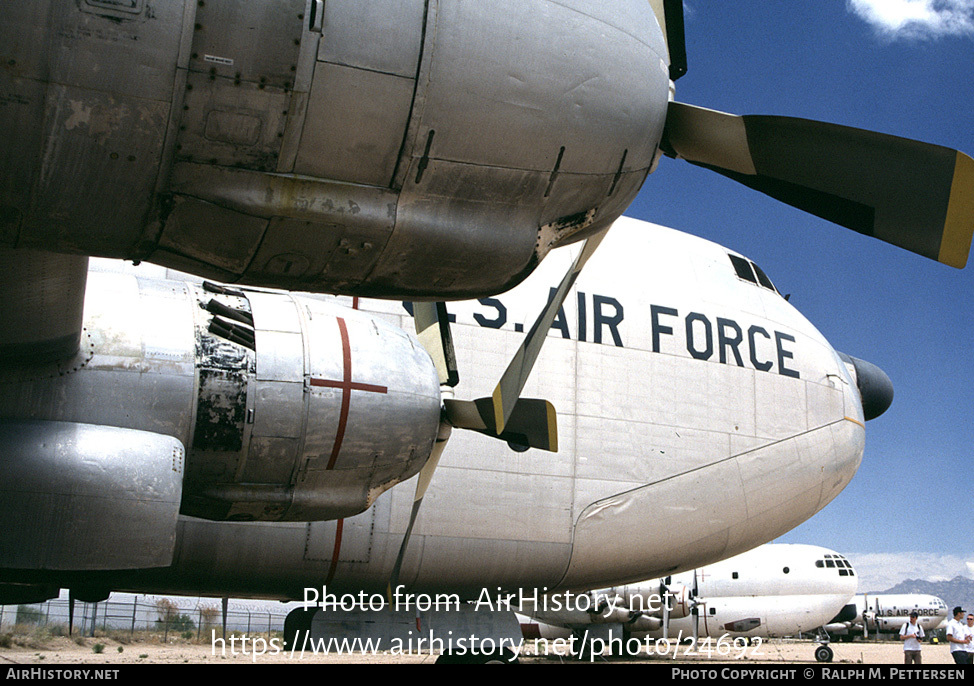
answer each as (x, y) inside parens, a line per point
(289, 408)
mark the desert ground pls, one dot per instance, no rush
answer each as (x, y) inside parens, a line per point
(150, 649)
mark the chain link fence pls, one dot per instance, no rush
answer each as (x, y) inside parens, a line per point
(188, 618)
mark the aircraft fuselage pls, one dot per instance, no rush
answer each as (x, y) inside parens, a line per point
(710, 417)
(771, 591)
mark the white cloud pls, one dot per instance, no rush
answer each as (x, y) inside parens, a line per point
(879, 571)
(917, 18)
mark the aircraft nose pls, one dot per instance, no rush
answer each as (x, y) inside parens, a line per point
(875, 388)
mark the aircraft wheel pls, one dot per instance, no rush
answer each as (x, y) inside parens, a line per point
(629, 650)
(823, 654)
(499, 657)
(582, 651)
(296, 624)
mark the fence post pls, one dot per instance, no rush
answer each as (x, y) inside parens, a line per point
(135, 605)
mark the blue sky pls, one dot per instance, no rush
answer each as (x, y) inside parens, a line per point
(904, 67)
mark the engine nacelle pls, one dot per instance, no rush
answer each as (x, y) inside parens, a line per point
(645, 623)
(290, 408)
(103, 497)
(360, 152)
(679, 597)
(649, 598)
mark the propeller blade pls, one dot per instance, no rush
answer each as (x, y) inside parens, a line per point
(529, 422)
(669, 14)
(532, 424)
(914, 195)
(433, 331)
(422, 483)
(432, 323)
(667, 600)
(516, 375)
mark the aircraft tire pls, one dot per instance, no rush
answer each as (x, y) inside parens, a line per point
(296, 624)
(823, 654)
(500, 657)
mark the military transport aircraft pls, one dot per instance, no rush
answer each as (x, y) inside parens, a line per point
(419, 150)
(772, 591)
(430, 150)
(887, 612)
(236, 442)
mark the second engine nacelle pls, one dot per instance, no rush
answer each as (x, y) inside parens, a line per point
(290, 408)
(648, 599)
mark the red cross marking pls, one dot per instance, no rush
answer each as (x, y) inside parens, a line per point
(347, 386)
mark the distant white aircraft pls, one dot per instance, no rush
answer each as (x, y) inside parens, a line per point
(886, 612)
(774, 590)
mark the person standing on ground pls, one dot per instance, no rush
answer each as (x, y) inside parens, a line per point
(958, 638)
(970, 634)
(911, 633)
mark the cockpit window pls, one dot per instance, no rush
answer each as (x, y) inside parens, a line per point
(837, 562)
(763, 278)
(743, 268)
(751, 272)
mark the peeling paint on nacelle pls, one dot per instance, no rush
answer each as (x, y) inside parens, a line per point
(317, 411)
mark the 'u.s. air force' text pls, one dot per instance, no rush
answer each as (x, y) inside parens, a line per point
(705, 337)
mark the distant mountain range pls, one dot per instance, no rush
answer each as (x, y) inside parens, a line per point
(957, 591)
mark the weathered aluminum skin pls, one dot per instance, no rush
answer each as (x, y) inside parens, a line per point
(41, 305)
(667, 461)
(393, 147)
(81, 496)
(330, 409)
